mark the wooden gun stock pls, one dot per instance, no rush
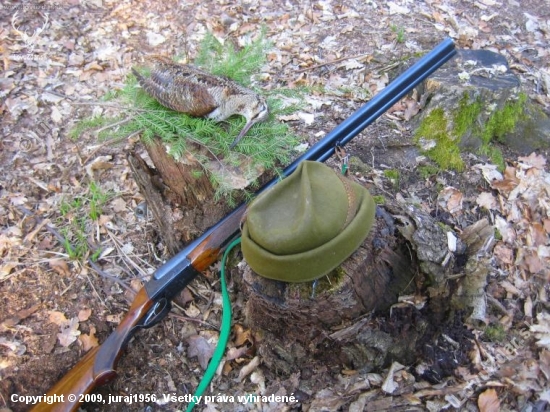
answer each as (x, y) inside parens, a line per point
(150, 305)
(98, 365)
(152, 302)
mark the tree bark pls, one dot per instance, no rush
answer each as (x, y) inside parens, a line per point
(178, 193)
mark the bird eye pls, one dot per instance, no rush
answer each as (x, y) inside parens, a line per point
(262, 112)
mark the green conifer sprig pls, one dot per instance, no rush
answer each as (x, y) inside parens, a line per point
(224, 60)
(267, 145)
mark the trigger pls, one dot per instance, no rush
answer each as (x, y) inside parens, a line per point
(157, 313)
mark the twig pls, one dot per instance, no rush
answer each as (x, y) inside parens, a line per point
(113, 125)
(332, 62)
(497, 304)
(95, 291)
(107, 143)
(110, 277)
(90, 103)
(127, 259)
(202, 322)
(41, 221)
(62, 240)
(38, 183)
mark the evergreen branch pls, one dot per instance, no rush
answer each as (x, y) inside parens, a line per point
(266, 145)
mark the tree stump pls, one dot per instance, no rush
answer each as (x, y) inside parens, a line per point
(353, 318)
(178, 193)
(304, 323)
(369, 280)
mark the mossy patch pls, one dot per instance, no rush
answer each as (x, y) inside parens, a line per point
(465, 117)
(356, 165)
(441, 138)
(495, 333)
(427, 171)
(504, 121)
(439, 145)
(325, 284)
(393, 176)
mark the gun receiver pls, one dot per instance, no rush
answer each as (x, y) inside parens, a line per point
(152, 302)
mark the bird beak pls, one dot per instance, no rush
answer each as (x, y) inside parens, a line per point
(245, 130)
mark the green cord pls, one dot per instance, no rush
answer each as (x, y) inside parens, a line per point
(224, 332)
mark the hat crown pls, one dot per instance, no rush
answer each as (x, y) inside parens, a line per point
(302, 212)
(306, 225)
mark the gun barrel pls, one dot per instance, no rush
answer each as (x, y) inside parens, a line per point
(321, 151)
(175, 274)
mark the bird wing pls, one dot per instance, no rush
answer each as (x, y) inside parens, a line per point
(179, 87)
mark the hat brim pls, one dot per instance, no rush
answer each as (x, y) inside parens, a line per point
(312, 264)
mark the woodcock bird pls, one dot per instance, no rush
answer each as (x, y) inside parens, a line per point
(186, 89)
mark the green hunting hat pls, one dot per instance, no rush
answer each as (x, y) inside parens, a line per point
(306, 225)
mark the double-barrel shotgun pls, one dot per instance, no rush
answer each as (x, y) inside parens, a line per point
(153, 302)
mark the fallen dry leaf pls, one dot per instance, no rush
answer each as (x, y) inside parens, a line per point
(88, 341)
(544, 363)
(487, 201)
(6, 269)
(506, 230)
(528, 307)
(14, 347)
(258, 378)
(58, 318)
(185, 297)
(84, 314)
(136, 284)
(99, 163)
(114, 318)
(242, 335)
(327, 400)
(308, 118)
(60, 267)
(288, 118)
(489, 172)
(488, 401)
(397, 9)
(508, 183)
(18, 317)
(248, 368)
(534, 262)
(412, 109)
(389, 385)
(538, 235)
(56, 115)
(542, 330)
(451, 199)
(118, 205)
(503, 254)
(199, 347)
(235, 353)
(18, 200)
(534, 160)
(69, 332)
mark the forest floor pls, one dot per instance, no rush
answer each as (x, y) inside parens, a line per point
(59, 195)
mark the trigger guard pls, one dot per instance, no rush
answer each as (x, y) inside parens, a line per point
(157, 313)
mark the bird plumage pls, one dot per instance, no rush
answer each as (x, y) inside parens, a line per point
(187, 89)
